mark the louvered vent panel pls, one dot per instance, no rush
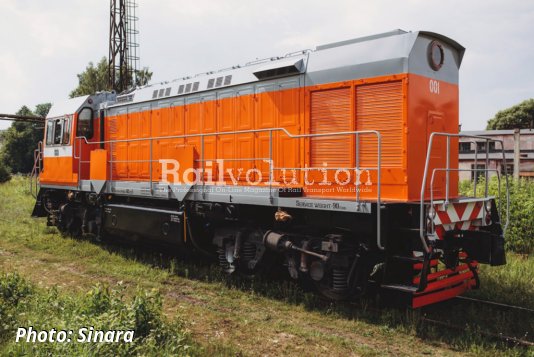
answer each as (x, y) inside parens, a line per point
(330, 112)
(379, 107)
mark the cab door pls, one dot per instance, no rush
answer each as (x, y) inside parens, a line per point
(438, 154)
(85, 138)
(58, 152)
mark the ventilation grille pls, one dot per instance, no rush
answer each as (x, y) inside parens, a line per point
(331, 112)
(379, 107)
(129, 98)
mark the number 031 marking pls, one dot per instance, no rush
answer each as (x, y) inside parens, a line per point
(433, 86)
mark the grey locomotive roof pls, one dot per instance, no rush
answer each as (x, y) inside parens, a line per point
(383, 54)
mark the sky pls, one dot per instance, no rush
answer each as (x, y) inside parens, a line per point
(44, 44)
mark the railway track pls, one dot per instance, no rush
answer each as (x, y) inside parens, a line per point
(494, 304)
(510, 340)
(513, 341)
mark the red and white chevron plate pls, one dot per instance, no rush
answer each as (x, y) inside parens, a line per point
(460, 216)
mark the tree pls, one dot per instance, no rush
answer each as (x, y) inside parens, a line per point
(95, 79)
(142, 77)
(21, 139)
(5, 175)
(42, 109)
(520, 116)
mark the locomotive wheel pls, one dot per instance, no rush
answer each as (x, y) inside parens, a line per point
(70, 225)
(334, 285)
(75, 228)
(342, 283)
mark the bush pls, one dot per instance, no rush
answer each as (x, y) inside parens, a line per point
(5, 175)
(519, 236)
(101, 308)
(13, 292)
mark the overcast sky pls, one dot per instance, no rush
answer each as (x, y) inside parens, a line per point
(44, 44)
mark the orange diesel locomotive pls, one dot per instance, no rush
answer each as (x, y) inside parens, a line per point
(340, 163)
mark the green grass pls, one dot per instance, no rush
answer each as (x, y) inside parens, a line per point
(512, 283)
(221, 316)
(21, 304)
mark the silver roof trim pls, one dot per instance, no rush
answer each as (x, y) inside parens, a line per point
(387, 53)
(69, 106)
(360, 39)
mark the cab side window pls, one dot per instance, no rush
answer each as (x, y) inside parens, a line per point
(66, 130)
(85, 123)
(50, 132)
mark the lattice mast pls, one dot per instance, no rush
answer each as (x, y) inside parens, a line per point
(123, 47)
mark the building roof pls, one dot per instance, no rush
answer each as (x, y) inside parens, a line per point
(497, 132)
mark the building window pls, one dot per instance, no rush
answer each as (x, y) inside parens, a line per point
(477, 172)
(491, 146)
(465, 147)
(481, 146)
(509, 169)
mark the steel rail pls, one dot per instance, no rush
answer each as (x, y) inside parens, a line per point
(507, 339)
(494, 303)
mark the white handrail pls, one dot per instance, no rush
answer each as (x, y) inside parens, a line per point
(447, 170)
(271, 166)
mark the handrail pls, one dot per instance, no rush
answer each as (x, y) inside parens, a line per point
(271, 166)
(486, 171)
(36, 169)
(447, 169)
